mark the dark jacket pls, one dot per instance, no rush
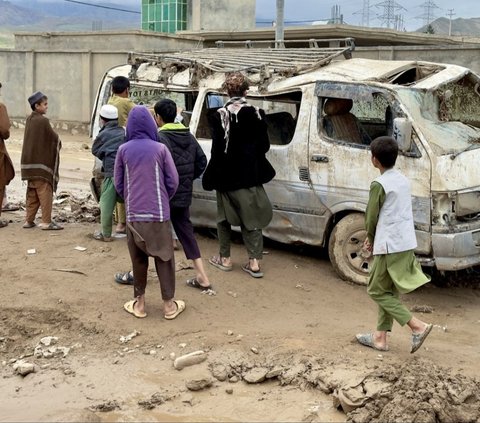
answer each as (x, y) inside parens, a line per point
(105, 146)
(189, 159)
(244, 165)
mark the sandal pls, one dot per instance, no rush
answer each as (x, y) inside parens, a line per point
(367, 340)
(180, 308)
(129, 307)
(52, 226)
(217, 261)
(100, 237)
(28, 225)
(124, 278)
(3, 223)
(9, 208)
(194, 283)
(254, 273)
(418, 338)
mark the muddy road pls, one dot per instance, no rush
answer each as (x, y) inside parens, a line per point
(277, 349)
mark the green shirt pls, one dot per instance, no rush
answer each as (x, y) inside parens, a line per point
(375, 203)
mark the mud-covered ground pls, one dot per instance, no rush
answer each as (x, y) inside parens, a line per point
(276, 349)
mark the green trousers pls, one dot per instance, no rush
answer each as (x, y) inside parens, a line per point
(253, 240)
(108, 199)
(383, 290)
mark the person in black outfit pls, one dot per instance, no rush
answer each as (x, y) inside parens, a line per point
(237, 170)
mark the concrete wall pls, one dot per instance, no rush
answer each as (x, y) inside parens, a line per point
(69, 79)
(227, 15)
(144, 41)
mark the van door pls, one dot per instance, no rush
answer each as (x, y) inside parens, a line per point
(345, 119)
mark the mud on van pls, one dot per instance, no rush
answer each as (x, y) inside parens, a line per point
(322, 111)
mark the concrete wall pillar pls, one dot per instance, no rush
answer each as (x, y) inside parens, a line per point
(86, 84)
(30, 77)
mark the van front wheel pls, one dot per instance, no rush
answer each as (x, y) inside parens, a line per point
(345, 249)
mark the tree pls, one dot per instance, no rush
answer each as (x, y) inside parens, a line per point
(430, 29)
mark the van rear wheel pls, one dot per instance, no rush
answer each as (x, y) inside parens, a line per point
(345, 249)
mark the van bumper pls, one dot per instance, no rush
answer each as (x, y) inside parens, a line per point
(456, 251)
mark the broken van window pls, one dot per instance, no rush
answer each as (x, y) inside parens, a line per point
(355, 120)
(281, 114)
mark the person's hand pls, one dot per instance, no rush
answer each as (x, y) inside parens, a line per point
(367, 245)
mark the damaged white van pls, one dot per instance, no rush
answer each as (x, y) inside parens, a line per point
(322, 111)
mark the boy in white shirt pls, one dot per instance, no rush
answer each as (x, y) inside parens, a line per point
(391, 238)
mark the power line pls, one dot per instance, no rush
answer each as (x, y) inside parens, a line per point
(103, 7)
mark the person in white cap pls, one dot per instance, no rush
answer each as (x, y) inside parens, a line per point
(105, 147)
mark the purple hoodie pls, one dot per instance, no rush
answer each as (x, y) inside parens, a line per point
(145, 174)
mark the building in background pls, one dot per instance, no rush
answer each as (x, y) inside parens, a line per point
(164, 15)
(197, 15)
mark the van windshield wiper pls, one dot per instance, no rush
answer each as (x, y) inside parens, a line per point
(470, 147)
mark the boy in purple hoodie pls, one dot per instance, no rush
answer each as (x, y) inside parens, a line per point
(146, 177)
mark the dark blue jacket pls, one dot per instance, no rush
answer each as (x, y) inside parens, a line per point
(105, 146)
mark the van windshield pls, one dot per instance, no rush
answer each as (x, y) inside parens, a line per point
(449, 116)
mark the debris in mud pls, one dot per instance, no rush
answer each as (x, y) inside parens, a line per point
(421, 309)
(77, 272)
(256, 375)
(105, 407)
(46, 348)
(418, 391)
(129, 337)
(78, 209)
(156, 399)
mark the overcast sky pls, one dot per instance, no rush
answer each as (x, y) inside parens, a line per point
(321, 9)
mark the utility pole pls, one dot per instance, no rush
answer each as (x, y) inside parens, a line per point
(450, 14)
(279, 32)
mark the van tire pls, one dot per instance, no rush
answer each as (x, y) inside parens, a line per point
(344, 249)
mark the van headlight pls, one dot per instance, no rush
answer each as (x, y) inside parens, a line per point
(467, 204)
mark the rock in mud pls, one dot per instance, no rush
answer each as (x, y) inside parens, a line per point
(23, 368)
(195, 357)
(48, 340)
(219, 372)
(256, 375)
(199, 384)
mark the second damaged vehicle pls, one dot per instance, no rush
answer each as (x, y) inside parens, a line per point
(322, 112)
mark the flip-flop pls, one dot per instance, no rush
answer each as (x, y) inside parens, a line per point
(28, 225)
(254, 273)
(194, 283)
(216, 261)
(9, 208)
(52, 226)
(418, 338)
(129, 308)
(180, 307)
(124, 278)
(367, 340)
(100, 237)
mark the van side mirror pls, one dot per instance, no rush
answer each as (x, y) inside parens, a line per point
(402, 132)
